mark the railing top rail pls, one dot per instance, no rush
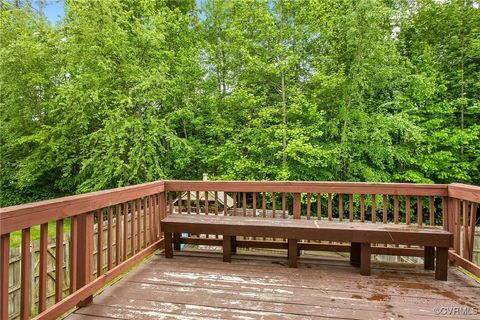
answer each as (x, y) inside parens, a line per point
(464, 192)
(26, 215)
(309, 186)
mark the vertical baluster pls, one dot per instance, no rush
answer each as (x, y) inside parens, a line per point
(225, 203)
(144, 222)
(465, 229)
(125, 231)
(100, 243)
(350, 207)
(431, 201)
(284, 205)
(340, 207)
(419, 210)
(139, 225)
(407, 209)
(4, 274)
(179, 202)
(170, 202)
(153, 204)
(374, 208)
(244, 204)
(59, 261)
(254, 204)
(109, 237)
(473, 219)
(206, 202)
(25, 285)
(297, 206)
(234, 203)
(457, 227)
(197, 202)
(445, 213)
(73, 253)
(151, 222)
(274, 204)
(319, 206)
(395, 209)
(216, 203)
(189, 205)
(132, 228)
(330, 214)
(385, 209)
(85, 225)
(42, 282)
(117, 234)
(264, 205)
(308, 205)
(362, 207)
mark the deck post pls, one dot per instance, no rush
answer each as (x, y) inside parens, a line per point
(292, 253)
(365, 256)
(234, 244)
(176, 241)
(84, 253)
(167, 240)
(227, 248)
(429, 258)
(441, 267)
(355, 248)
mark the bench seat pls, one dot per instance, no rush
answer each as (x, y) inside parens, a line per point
(361, 235)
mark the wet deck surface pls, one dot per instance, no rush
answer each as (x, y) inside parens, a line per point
(196, 285)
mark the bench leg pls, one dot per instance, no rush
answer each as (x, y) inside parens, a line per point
(355, 253)
(365, 256)
(429, 258)
(292, 253)
(227, 248)
(234, 244)
(167, 241)
(441, 267)
(176, 241)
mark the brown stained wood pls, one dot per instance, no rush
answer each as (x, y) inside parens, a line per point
(431, 207)
(441, 263)
(385, 209)
(189, 204)
(350, 205)
(206, 202)
(197, 202)
(176, 241)
(162, 207)
(419, 211)
(168, 245)
(374, 209)
(429, 258)
(26, 215)
(170, 202)
(139, 224)
(118, 225)
(407, 210)
(329, 205)
(284, 205)
(42, 273)
(457, 227)
(244, 203)
(132, 228)
(264, 205)
(465, 235)
(85, 254)
(309, 205)
(274, 204)
(297, 206)
(340, 206)
(464, 192)
(292, 253)
(473, 219)
(25, 282)
(234, 203)
(225, 206)
(464, 263)
(227, 248)
(365, 258)
(4, 274)
(73, 253)
(154, 205)
(395, 209)
(362, 207)
(145, 226)
(110, 238)
(216, 202)
(59, 254)
(319, 206)
(254, 204)
(355, 248)
(125, 231)
(100, 243)
(445, 213)
(151, 224)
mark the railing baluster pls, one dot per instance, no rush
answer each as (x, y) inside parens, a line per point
(340, 207)
(25, 285)
(234, 203)
(330, 214)
(445, 213)
(132, 228)
(465, 229)
(385, 208)
(109, 238)
(457, 227)
(350, 207)
(139, 225)
(225, 203)
(189, 205)
(4, 274)
(59, 261)
(85, 253)
(151, 222)
(419, 211)
(395, 209)
(179, 202)
(374, 208)
(308, 205)
(284, 205)
(297, 206)
(125, 231)
(73, 253)
(42, 282)
(244, 204)
(264, 205)
(319, 206)
(144, 222)
(254, 204)
(473, 219)
(432, 210)
(215, 196)
(274, 204)
(407, 209)
(206, 202)
(170, 202)
(117, 234)
(197, 202)
(362, 207)
(100, 242)
(154, 217)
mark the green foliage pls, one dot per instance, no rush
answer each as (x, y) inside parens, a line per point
(124, 92)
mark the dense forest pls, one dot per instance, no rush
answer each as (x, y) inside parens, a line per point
(125, 92)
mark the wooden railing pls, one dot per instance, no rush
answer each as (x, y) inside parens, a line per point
(138, 210)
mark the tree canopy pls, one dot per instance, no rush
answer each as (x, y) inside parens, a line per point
(125, 92)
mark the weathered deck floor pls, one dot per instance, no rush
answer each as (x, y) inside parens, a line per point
(196, 285)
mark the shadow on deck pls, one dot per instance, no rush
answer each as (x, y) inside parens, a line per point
(196, 285)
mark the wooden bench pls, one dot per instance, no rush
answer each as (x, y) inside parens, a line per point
(361, 235)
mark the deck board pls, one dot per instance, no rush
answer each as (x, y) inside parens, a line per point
(195, 285)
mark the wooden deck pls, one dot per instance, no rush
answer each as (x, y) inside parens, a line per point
(196, 285)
